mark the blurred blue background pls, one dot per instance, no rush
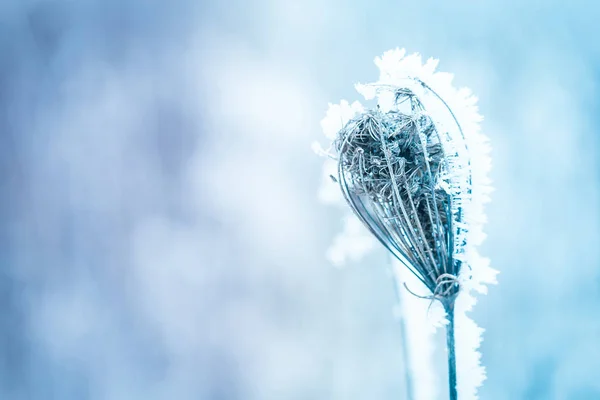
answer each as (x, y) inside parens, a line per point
(160, 234)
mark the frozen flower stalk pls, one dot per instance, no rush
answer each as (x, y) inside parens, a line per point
(413, 168)
(391, 173)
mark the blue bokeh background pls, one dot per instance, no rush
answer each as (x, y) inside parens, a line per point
(160, 235)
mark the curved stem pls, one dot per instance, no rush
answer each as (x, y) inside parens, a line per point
(451, 350)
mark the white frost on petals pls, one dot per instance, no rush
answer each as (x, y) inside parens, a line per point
(318, 149)
(337, 116)
(367, 91)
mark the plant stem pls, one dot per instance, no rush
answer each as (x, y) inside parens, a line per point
(402, 323)
(406, 359)
(451, 350)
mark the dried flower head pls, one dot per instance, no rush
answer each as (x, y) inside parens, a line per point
(413, 169)
(394, 174)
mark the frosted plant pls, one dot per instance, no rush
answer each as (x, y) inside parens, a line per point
(414, 169)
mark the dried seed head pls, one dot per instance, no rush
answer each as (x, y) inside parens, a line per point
(414, 171)
(391, 168)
